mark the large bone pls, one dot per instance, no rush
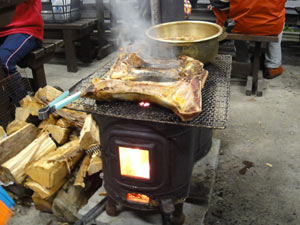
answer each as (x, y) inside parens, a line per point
(130, 66)
(183, 96)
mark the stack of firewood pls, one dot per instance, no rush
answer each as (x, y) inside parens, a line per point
(42, 155)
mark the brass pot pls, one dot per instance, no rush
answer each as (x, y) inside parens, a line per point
(197, 39)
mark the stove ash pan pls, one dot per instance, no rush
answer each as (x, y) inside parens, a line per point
(159, 157)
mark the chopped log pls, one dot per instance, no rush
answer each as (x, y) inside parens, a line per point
(68, 201)
(71, 198)
(48, 94)
(59, 134)
(89, 134)
(22, 114)
(14, 126)
(75, 117)
(13, 144)
(43, 192)
(14, 168)
(44, 205)
(31, 104)
(51, 120)
(2, 133)
(64, 123)
(52, 168)
(79, 181)
(95, 164)
(75, 135)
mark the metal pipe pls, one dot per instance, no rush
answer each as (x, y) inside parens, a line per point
(155, 12)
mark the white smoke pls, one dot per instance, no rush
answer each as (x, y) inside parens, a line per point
(132, 20)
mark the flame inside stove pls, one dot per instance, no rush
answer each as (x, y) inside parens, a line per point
(134, 162)
(138, 198)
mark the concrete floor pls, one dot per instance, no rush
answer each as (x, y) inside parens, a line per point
(266, 132)
(262, 130)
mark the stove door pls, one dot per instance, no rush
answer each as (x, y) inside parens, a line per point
(137, 160)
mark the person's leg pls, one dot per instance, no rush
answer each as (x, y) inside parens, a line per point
(273, 59)
(12, 50)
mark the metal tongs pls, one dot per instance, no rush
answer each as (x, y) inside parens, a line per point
(57, 104)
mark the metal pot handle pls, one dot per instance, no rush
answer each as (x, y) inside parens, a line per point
(223, 36)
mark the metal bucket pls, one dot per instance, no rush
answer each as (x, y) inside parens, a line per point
(197, 39)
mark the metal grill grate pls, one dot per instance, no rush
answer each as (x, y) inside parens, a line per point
(215, 100)
(7, 107)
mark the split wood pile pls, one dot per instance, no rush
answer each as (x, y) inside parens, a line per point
(49, 157)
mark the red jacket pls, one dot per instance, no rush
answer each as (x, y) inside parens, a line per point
(257, 17)
(27, 20)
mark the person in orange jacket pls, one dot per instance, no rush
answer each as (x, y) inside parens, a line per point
(256, 17)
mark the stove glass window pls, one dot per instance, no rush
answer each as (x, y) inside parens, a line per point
(134, 162)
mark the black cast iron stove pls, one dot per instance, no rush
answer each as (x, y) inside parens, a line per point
(148, 153)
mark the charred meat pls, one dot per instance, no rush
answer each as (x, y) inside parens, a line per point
(183, 96)
(129, 66)
(173, 84)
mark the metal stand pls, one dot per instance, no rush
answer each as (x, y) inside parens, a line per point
(166, 218)
(111, 207)
(178, 215)
(92, 214)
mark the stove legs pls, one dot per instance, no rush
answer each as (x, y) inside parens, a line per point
(166, 218)
(175, 217)
(111, 207)
(172, 214)
(178, 215)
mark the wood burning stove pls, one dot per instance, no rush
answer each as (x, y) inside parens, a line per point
(148, 153)
(147, 163)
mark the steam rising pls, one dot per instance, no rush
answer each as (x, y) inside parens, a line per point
(133, 18)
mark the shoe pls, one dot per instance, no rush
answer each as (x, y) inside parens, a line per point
(270, 73)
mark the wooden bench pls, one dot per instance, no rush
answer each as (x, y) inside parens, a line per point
(36, 60)
(79, 30)
(255, 81)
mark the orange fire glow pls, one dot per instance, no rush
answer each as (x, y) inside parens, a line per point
(134, 162)
(136, 197)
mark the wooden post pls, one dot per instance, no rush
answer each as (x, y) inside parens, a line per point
(70, 51)
(172, 10)
(39, 78)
